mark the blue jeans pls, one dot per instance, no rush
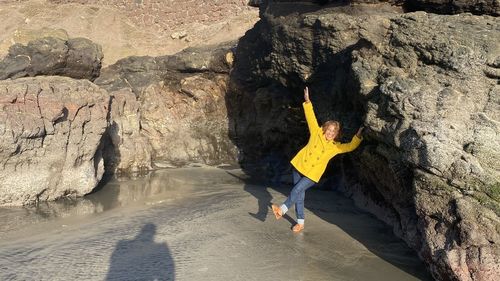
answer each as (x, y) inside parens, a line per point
(298, 194)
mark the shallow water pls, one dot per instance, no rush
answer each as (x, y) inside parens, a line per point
(198, 224)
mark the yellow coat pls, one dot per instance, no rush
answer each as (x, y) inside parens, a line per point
(312, 159)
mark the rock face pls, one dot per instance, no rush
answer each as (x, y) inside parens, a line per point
(426, 88)
(51, 130)
(170, 110)
(78, 58)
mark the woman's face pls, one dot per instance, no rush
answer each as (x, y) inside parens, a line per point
(331, 132)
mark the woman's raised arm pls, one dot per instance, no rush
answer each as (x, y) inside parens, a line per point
(306, 94)
(356, 140)
(312, 123)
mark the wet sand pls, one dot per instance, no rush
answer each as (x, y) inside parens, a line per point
(199, 224)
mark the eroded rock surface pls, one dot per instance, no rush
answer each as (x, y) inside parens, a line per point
(51, 130)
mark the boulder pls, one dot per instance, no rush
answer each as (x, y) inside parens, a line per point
(426, 88)
(51, 131)
(77, 58)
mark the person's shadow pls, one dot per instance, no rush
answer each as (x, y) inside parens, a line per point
(141, 258)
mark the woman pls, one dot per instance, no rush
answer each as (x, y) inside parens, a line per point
(311, 161)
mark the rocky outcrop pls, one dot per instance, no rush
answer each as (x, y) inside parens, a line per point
(160, 112)
(77, 58)
(426, 88)
(51, 130)
(170, 110)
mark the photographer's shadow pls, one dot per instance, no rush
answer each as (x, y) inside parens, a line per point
(141, 258)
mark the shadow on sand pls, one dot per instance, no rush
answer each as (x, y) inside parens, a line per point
(141, 258)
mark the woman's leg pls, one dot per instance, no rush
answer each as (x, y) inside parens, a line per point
(296, 176)
(298, 192)
(299, 207)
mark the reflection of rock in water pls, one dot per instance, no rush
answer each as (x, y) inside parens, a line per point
(65, 208)
(17, 217)
(141, 258)
(156, 186)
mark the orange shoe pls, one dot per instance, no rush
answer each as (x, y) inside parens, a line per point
(298, 227)
(277, 211)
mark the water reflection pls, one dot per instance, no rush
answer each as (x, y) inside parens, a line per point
(157, 186)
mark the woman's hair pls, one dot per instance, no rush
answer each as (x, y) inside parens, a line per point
(336, 124)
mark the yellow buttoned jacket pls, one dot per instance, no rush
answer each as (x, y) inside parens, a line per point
(312, 159)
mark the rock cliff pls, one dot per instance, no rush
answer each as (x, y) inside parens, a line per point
(426, 88)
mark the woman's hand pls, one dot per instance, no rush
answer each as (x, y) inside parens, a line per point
(306, 95)
(360, 132)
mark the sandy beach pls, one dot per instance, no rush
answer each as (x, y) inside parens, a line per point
(199, 224)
